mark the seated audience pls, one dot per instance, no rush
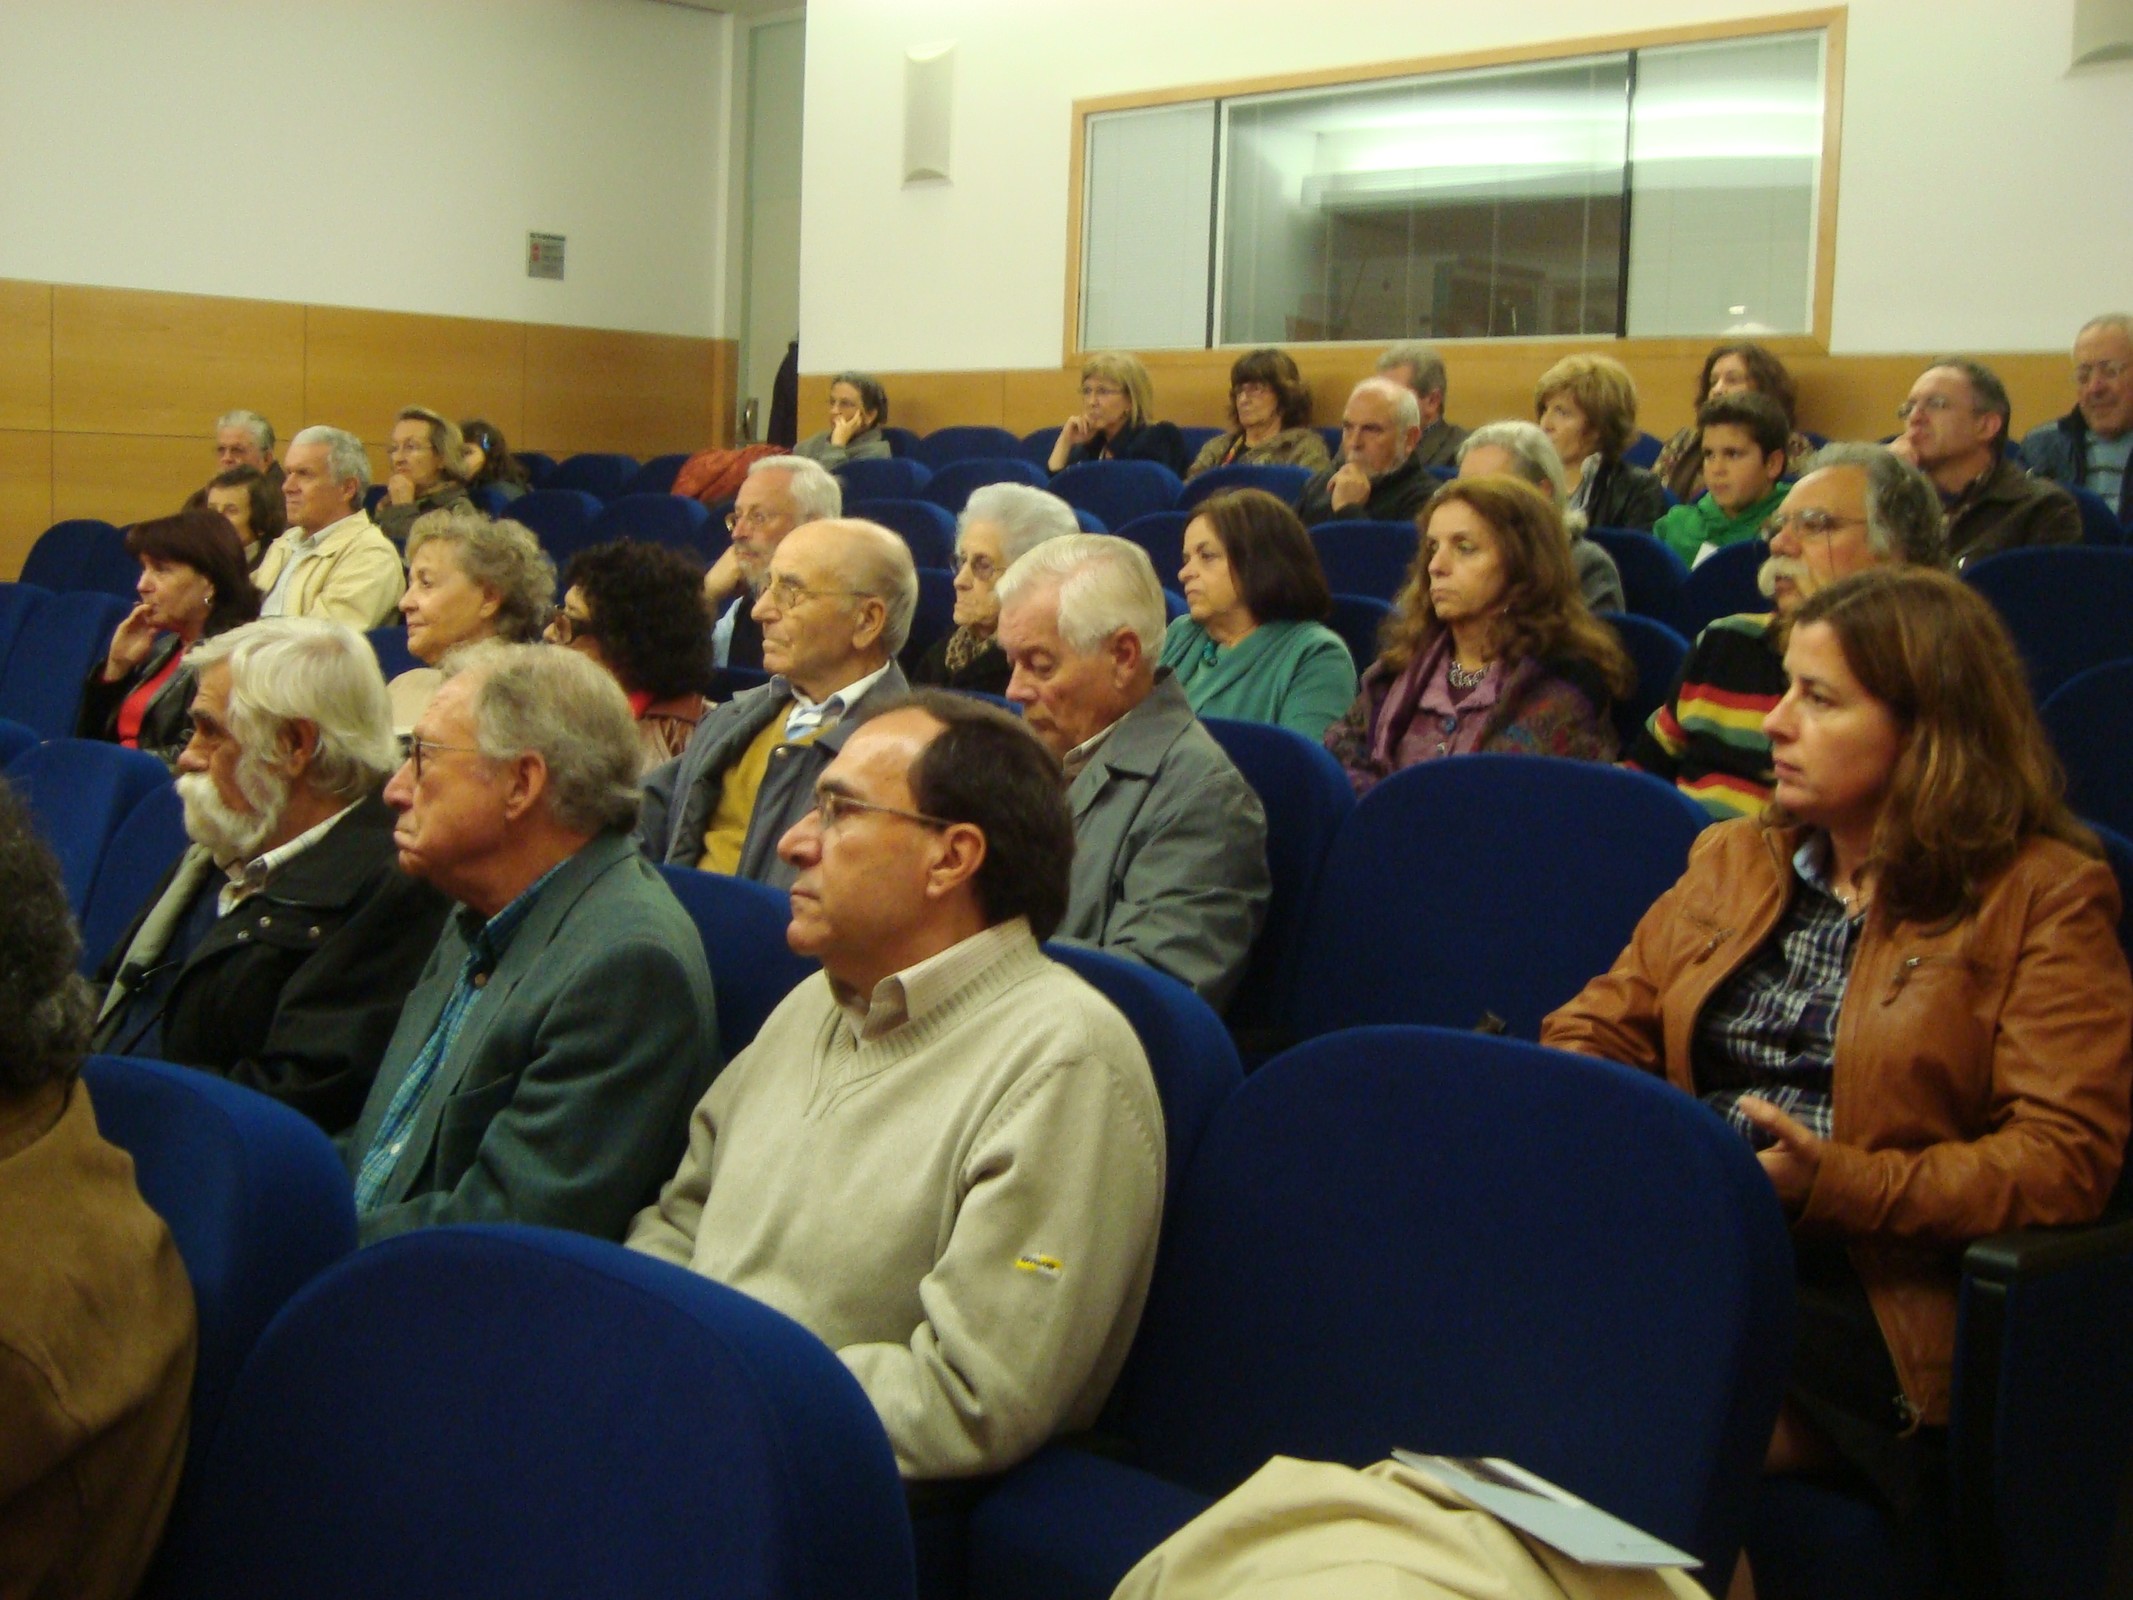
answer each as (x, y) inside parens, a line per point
(280, 948)
(429, 471)
(1732, 369)
(1521, 450)
(246, 439)
(1254, 644)
(193, 585)
(1587, 406)
(1170, 841)
(2090, 446)
(1955, 422)
(1918, 852)
(544, 1066)
(1269, 418)
(332, 563)
(778, 494)
(468, 579)
(1418, 368)
(487, 462)
(1489, 647)
(1001, 523)
(637, 609)
(858, 407)
(1741, 437)
(836, 610)
(252, 502)
(96, 1313)
(1858, 506)
(970, 1219)
(1116, 421)
(1377, 477)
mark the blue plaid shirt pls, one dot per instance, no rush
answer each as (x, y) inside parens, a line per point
(485, 947)
(1770, 1030)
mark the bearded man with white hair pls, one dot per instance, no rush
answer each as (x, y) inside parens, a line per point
(280, 949)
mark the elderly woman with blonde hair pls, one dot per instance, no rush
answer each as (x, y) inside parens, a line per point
(468, 579)
(1587, 406)
(1116, 421)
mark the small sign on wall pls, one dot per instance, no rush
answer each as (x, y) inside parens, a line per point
(544, 255)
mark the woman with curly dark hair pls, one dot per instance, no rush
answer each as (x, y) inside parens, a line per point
(638, 610)
(1726, 370)
(1269, 418)
(487, 460)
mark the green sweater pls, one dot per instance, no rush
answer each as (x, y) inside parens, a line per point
(1298, 674)
(1685, 530)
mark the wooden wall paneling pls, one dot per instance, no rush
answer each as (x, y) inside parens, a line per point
(1039, 397)
(25, 495)
(25, 355)
(644, 393)
(126, 477)
(361, 367)
(131, 361)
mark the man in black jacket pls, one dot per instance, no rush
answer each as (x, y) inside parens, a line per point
(280, 949)
(1377, 476)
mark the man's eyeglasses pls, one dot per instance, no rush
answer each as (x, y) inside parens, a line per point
(753, 517)
(1935, 403)
(1813, 520)
(418, 747)
(787, 593)
(982, 568)
(2109, 371)
(833, 807)
(563, 628)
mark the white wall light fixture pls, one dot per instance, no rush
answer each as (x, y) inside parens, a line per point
(929, 101)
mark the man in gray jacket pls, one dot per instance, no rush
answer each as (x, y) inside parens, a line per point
(835, 609)
(1170, 841)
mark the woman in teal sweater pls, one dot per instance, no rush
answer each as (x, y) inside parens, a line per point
(1253, 647)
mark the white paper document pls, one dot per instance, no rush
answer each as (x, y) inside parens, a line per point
(1555, 1516)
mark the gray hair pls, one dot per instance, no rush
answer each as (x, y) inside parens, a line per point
(1533, 458)
(817, 495)
(1406, 409)
(1985, 384)
(345, 455)
(1105, 583)
(305, 669)
(1428, 365)
(877, 563)
(262, 431)
(571, 713)
(1025, 516)
(2117, 321)
(502, 557)
(1904, 520)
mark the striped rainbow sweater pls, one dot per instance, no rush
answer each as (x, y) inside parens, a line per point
(1707, 738)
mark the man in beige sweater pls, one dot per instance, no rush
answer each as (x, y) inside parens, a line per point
(943, 1153)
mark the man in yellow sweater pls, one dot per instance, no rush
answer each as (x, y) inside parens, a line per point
(943, 1153)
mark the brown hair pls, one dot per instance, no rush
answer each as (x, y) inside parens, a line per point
(207, 542)
(1603, 390)
(445, 442)
(269, 514)
(1544, 616)
(1277, 370)
(1765, 372)
(1757, 413)
(1977, 777)
(1271, 557)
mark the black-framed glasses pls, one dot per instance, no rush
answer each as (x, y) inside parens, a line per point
(1812, 520)
(833, 806)
(563, 628)
(417, 746)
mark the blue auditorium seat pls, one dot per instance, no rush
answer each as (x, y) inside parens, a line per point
(539, 465)
(1118, 491)
(17, 600)
(1358, 618)
(1643, 450)
(14, 739)
(946, 445)
(924, 526)
(145, 846)
(1366, 558)
(1285, 484)
(742, 924)
(1657, 651)
(934, 619)
(1038, 446)
(1723, 585)
(667, 519)
(599, 473)
(902, 442)
(2090, 720)
(80, 791)
(389, 645)
(82, 553)
(657, 475)
(1196, 440)
(1654, 579)
(2099, 523)
(2066, 605)
(952, 481)
(894, 479)
(57, 641)
(1089, 522)
(561, 519)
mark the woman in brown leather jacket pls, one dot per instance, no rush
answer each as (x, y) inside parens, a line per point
(1904, 986)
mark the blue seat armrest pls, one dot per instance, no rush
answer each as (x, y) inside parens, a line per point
(1068, 1525)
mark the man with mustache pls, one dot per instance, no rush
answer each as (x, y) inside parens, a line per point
(1855, 506)
(279, 950)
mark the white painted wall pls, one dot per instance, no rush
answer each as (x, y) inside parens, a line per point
(390, 154)
(1970, 213)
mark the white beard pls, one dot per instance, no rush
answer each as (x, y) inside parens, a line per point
(232, 835)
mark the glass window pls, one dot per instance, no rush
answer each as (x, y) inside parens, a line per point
(1150, 190)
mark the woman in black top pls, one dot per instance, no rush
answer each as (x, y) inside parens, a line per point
(1116, 421)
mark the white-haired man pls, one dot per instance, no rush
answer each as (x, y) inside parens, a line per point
(1377, 477)
(544, 1067)
(2090, 447)
(779, 493)
(1170, 841)
(279, 950)
(835, 609)
(246, 439)
(1418, 368)
(333, 563)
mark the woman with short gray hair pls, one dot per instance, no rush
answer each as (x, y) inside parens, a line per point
(468, 579)
(1001, 523)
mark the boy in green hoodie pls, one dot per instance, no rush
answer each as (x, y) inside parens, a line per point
(1744, 438)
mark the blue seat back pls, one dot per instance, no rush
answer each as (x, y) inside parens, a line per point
(562, 519)
(17, 601)
(1654, 579)
(1643, 450)
(107, 568)
(1197, 439)
(1657, 652)
(1119, 491)
(946, 445)
(1307, 797)
(1542, 866)
(1366, 558)
(539, 465)
(895, 479)
(599, 473)
(924, 526)
(389, 645)
(1285, 484)
(934, 619)
(1357, 618)
(1331, 433)
(145, 846)
(14, 739)
(1723, 585)
(2090, 720)
(1039, 444)
(80, 791)
(56, 643)
(657, 475)
(655, 519)
(2099, 523)
(1190, 1054)
(1472, 1246)
(2066, 605)
(507, 1411)
(742, 924)
(902, 442)
(2118, 848)
(60, 556)
(952, 481)
(254, 1195)
(1089, 522)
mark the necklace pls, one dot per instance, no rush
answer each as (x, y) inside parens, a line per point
(1465, 677)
